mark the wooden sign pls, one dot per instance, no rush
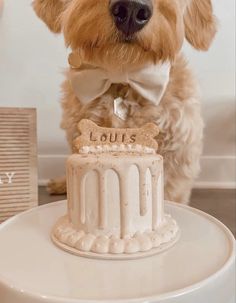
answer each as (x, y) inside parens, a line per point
(93, 135)
(18, 161)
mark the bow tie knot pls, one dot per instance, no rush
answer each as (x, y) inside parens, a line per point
(117, 76)
(91, 82)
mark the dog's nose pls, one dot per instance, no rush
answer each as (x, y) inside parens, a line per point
(130, 16)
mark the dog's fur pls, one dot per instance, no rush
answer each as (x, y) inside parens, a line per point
(88, 26)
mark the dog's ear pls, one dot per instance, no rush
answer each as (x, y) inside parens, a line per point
(200, 23)
(50, 11)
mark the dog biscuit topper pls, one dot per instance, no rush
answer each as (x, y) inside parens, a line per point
(93, 135)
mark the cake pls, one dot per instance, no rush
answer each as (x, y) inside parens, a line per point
(115, 195)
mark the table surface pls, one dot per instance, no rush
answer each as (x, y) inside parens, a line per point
(31, 263)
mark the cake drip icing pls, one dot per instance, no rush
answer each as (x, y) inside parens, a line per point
(65, 233)
(78, 168)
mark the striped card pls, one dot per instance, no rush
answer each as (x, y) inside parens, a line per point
(18, 161)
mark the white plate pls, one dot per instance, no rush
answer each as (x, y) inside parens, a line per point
(198, 269)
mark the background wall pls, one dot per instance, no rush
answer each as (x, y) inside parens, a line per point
(31, 65)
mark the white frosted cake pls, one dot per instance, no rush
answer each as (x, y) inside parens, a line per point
(115, 195)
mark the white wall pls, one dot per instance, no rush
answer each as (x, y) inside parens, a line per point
(31, 64)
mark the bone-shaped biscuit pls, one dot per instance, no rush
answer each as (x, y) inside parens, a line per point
(94, 135)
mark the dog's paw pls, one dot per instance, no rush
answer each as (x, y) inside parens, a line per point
(57, 186)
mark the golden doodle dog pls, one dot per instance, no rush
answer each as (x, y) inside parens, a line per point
(127, 69)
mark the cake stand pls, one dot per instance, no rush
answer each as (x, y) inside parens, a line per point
(198, 269)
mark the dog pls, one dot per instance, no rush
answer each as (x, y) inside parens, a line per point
(128, 35)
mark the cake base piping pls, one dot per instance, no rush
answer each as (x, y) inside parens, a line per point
(102, 247)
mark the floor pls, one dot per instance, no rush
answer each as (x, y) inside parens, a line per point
(220, 203)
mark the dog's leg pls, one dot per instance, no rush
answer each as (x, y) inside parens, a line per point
(57, 186)
(181, 168)
(178, 190)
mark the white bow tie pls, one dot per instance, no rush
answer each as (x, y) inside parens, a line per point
(90, 82)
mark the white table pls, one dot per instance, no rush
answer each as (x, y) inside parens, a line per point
(198, 269)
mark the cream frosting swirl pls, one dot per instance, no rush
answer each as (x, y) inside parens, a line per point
(97, 149)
